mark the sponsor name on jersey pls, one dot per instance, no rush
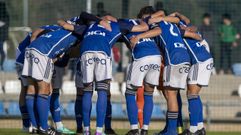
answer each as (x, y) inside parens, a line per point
(31, 57)
(97, 32)
(150, 66)
(95, 60)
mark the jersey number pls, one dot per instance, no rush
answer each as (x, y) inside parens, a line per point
(171, 29)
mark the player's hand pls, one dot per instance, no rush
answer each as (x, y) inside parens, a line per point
(134, 40)
(105, 24)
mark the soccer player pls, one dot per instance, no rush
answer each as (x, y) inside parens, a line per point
(38, 66)
(145, 68)
(176, 68)
(198, 77)
(78, 106)
(20, 54)
(96, 66)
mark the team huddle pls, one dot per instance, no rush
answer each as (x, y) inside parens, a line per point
(167, 51)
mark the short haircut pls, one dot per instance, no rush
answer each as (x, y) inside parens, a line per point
(206, 15)
(146, 10)
(226, 16)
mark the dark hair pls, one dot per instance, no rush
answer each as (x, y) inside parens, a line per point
(206, 15)
(145, 10)
(226, 16)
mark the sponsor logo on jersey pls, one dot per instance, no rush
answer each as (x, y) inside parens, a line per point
(145, 40)
(97, 32)
(96, 60)
(150, 66)
(31, 57)
(184, 69)
(209, 66)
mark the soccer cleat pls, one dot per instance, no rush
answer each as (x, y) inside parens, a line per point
(110, 132)
(87, 133)
(96, 133)
(79, 131)
(144, 132)
(179, 130)
(33, 130)
(49, 131)
(202, 131)
(133, 132)
(66, 131)
(187, 132)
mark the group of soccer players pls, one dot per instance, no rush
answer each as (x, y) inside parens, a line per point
(167, 51)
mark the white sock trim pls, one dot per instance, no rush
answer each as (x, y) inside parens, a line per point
(200, 125)
(86, 128)
(135, 126)
(193, 129)
(99, 129)
(145, 127)
(59, 125)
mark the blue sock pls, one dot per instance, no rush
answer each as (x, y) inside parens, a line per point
(172, 122)
(55, 107)
(193, 108)
(78, 111)
(35, 110)
(86, 106)
(25, 115)
(147, 110)
(43, 110)
(108, 114)
(101, 107)
(30, 99)
(132, 109)
(179, 119)
(200, 116)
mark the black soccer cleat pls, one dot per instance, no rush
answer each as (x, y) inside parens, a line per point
(144, 132)
(79, 131)
(187, 132)
(133, 132)
(110, 132)
(202, 131)
(49, 131)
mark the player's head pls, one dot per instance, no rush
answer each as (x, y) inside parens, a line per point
(145, 12)
(206, 19)
(226, 19)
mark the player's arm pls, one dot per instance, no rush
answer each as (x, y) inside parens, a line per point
(193, 35)
(148, 34)
(36, 33)
(140, 28)
(89, 17)
(182, 17)
(158, 19)
(66, 25)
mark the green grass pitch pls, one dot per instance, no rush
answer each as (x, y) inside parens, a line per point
(120, 132)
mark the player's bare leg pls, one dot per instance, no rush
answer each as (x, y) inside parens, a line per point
(140, 104)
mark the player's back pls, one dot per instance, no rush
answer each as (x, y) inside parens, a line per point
(54, 43)
(145, 46)
(172, 42)
(97, 38)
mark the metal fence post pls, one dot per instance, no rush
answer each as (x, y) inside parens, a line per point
(25, 13)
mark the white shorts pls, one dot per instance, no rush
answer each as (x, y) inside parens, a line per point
(78, 77)
(19, 69)
(38, 66)
(146, 69)
(95, 66)
(200, 73)
(175, 76)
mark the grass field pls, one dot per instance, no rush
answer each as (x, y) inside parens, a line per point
(120, 132)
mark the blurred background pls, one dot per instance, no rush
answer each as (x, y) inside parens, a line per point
(222, 99)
